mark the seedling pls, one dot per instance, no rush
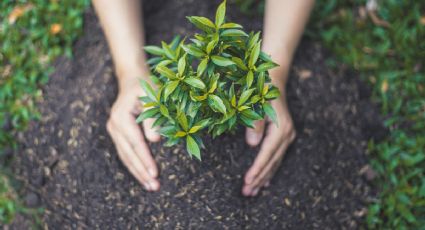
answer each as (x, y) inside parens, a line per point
(214, 82)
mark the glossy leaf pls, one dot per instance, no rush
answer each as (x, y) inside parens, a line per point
(155, 50)
(148, 90)
(217, 103)
(222, 61)
(220, 13)
(233, 33)
(192, 147)
(197, 83)
(268, 109)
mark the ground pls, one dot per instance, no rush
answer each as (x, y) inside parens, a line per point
(69, 166)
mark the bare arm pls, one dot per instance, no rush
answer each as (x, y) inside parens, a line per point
(284, 24)
(122, 24)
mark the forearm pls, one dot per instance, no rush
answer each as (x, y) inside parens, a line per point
(284, 23)
(123, 26)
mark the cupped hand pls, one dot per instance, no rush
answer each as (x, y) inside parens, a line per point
(276, 141)
(128, 136)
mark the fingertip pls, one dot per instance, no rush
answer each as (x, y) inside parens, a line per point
(154, 185)
(246, 191)
(253, 138)
(150, 133)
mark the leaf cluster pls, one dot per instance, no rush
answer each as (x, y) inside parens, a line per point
(212, 82)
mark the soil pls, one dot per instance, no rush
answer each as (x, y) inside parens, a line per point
(69, 166)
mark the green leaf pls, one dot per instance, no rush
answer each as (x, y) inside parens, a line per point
(160, 121)
(182, 119)
(268, 109)
(211, 46)
(240, 63)
(260, 81)
(266, 57)
(202, 66)
(148, 90)
(164, 111)
(197, 83)
(155, 50)
(222, 61)
(192, 147)
(195, 129)
(219, 15)
(213, 84)
(231, 26)
(202, 23)
(233, 33)
(253, 40)
(245, 96)
(168, 52)
(266, 66)
(167, 130)
(181, 65)
(203, 123)
(249, 79)
(150, 113)
(254, 55)
(194, 51)
(180, 134)
(247, 121)
(166, 72)
(169, 88)
(251, 114)
(217, 103)
(273, 93)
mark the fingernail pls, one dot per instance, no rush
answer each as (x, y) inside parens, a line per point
(255, 192)
(147, 187)
(153, 185)
(151, 172)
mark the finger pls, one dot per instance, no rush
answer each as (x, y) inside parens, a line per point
(131, 168)
(267, 173)
(271, 166)
(134, 135)
(268, 148)
(127, 156)
(150, 133)
(253, 136)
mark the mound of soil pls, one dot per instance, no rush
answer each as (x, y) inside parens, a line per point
(70, 167)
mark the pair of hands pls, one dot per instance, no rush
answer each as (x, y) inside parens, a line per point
(134, 152)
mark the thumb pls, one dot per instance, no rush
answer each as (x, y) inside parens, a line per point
(253, 136)
(150, 133)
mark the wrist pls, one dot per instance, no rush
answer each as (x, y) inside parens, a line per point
(129, 78)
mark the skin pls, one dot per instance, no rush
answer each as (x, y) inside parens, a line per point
(121, 21)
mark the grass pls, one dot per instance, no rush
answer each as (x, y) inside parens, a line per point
(32, 34)
(387, 53)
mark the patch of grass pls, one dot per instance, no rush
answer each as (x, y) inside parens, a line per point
(32, 34)
(387, 47)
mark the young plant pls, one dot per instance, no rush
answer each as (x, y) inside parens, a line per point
(214, 82)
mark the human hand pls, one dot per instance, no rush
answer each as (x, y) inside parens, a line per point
(276, 141)
(129, 138)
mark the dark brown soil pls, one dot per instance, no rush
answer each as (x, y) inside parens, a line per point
(70, 166)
